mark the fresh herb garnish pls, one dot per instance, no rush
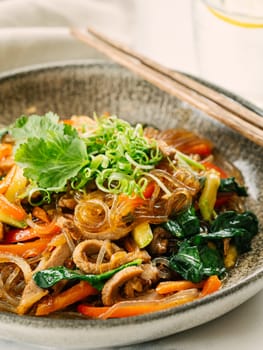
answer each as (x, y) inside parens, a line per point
(120, 155)
(115, 155)
(50, 152)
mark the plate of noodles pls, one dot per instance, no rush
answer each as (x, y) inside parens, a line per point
(125, 214)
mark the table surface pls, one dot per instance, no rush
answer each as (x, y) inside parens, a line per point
(27, 36)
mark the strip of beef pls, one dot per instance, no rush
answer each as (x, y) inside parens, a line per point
(32, 293)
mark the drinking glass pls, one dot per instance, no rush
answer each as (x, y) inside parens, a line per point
(228, 38)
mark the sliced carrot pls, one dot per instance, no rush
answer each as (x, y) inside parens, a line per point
(11, 209)
(132, 202)
(26, 250)
(138, 307)
(92, 311)
(45, 229)
(175, 286)
(68, 121)
(128, 204)
(5, 150)
(211, 285)
(5, 183)
(66, 298)
(149, 190)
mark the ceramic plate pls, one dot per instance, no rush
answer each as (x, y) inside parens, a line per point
(82, 88)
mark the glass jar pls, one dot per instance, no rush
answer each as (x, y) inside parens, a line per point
(228, 38)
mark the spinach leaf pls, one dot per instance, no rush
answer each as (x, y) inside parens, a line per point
(240, 227)
(232, 219)
(174, 228)
(230, 185)
(189, 222)
(212, 260)
(195, 263)
(187, 262)
(49, 277)
(184, 225)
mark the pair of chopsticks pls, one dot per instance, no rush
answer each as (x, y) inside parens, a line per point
(220, 107)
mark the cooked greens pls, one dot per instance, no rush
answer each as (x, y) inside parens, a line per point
(230, 185)
(184, 224)
(195, 259)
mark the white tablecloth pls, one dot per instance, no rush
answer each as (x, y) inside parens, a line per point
(37, 32)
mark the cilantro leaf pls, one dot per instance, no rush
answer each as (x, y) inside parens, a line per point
(50, 152)
(38, 126)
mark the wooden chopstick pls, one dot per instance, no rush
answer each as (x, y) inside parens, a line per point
(230, 112)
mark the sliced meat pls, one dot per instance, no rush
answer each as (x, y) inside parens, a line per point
(150, 274)
(110, 292)
(167, 150)
(66, 222)
(86, 254)
(32, 293)
(142, 283)
(129, 283)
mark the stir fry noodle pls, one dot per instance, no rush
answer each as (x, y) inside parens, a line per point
(102, 219)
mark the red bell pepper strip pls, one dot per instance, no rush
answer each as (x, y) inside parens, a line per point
(209, 165)
(22, 235)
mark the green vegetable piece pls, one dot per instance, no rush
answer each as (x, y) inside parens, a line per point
(242, 227)
(208, 196)
(189, 222)
(185, 224)
(189, 161)
(196, 263)
(50, 152)
(121, 155)
(11, 221)
(174, 228)
(230, 185)
(115, 155)
(187, 262)
(39, 126)
(232, 219)
(212, 261)
(142, 234)
(49, 277)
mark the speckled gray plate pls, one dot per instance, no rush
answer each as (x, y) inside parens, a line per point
(82, 88)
